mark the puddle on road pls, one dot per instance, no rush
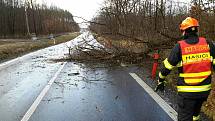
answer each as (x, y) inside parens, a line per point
(38, 57)
(51, 99)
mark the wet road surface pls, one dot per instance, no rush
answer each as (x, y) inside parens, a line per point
(81, 92)
(21, 82)
(97, 95)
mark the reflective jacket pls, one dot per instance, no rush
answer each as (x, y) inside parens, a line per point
(196, 66)
(194, 58)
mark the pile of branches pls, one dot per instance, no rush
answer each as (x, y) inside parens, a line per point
(93, 52)
(87, 49)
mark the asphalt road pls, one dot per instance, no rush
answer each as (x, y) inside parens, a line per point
(80, 92)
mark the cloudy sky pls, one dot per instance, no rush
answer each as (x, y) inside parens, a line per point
(83, 8)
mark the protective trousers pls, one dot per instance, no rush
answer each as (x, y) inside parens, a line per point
(189, 109)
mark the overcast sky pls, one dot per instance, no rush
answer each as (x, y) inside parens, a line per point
(83, 8)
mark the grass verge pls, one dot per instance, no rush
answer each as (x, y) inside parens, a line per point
(13, 48)
(122, 44)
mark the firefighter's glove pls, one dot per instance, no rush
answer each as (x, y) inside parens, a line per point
(160, 86)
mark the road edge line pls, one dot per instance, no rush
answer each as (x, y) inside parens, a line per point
(16, 60)
(166, 107)
(34, 106)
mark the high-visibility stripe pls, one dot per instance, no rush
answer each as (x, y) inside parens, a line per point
(197, 56)
(207, 73)
(179, 64)
(196, 118)
(212, 59)
(168, 65)
(161, 76)
(196, 61)
(190, 81)
(194, 88)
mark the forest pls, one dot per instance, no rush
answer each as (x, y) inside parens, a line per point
(21, 18)
(153, 21)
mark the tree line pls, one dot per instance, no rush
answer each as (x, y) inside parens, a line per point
(20, 18)
(153, 21)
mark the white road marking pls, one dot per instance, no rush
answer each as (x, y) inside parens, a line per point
(33, 107)
(19, 59)
(13, 61)
(167, 108)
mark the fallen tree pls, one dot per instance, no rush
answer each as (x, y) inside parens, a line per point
(87, 48)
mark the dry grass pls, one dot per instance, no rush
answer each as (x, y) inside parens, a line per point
(209, 107)
(122, 44)
(13, 48)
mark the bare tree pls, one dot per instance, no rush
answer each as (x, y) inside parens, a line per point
(22, 17)
(155, 21)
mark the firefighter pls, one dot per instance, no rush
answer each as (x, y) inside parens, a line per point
(194, 57)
